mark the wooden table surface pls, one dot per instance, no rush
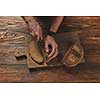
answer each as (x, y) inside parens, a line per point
(12, 70)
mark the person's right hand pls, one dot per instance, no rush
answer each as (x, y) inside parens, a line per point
(35, 30)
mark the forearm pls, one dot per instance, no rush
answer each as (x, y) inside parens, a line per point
(29, 19)
(56, 23)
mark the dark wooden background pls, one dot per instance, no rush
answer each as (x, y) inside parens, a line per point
(12, 70)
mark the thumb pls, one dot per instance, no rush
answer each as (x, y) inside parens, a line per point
(32, 33)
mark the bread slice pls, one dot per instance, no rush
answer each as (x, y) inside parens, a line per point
(35, 52)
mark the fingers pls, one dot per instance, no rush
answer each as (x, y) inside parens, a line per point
(51, 47)
(54, 49)
(35, 29)
(41, 37)
(38, 38)
(32, 33)
(54, 55)
(37, 35)
(54, 52)
(46, 47)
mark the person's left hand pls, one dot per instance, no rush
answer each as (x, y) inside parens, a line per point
(51, 44)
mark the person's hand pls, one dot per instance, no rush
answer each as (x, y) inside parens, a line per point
(35, 30)
(51, 47)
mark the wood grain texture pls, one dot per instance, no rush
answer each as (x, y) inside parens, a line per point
(17, 71)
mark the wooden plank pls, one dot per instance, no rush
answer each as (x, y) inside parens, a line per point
(13, 73)
(8, 55)
(9, 48)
